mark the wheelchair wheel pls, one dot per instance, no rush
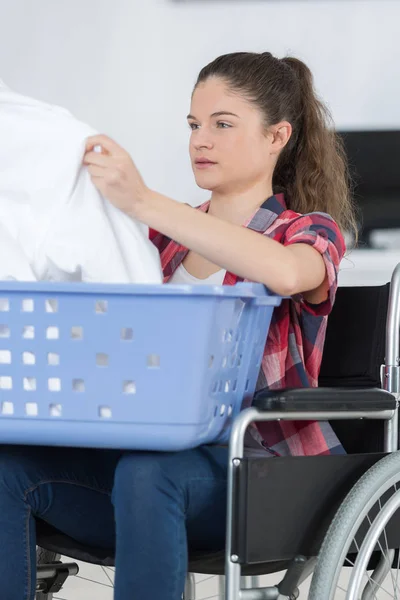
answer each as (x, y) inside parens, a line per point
(358, 538)
(44, 557)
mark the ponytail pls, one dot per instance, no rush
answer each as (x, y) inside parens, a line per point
(313, 169)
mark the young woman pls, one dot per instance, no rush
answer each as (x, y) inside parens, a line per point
(261, 143)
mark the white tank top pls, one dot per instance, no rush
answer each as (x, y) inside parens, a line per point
(182, 276)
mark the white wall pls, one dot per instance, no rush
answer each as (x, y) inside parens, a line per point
(128, 66)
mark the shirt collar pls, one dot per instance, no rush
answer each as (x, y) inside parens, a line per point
(264, 216)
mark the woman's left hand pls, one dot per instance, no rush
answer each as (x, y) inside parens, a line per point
(114, 173)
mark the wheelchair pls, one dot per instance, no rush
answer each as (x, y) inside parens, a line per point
(314, 515)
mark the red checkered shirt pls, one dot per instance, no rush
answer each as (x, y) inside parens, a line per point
(293, 351)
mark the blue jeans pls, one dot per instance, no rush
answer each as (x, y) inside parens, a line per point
(147, 507)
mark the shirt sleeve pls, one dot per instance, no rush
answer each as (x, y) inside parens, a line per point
(159, 240)
(321, 232)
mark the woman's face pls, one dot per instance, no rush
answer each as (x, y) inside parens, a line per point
(229, 149)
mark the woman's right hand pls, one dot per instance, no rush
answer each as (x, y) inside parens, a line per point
(114, 174)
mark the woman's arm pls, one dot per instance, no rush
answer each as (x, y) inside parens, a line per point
(285, 270)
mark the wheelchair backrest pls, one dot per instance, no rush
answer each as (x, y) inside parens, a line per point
(354, 351)
(355, 340)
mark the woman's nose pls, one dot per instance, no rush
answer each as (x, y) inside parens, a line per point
(202, 139)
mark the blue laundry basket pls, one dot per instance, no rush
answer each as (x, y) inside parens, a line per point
(132, 366)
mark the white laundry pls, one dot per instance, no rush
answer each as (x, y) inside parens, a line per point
(14, 264)
(54, 225)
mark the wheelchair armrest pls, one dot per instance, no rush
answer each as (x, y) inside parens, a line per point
(324, 399)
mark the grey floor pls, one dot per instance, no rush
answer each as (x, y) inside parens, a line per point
(95, 583)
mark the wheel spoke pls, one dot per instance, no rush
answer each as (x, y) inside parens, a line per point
(339, 587)
(374, 583)
(387, 547)
(93, 581)
(398, 566)
(371, 581)
(207, 578)
(107, 575)
(384, 554)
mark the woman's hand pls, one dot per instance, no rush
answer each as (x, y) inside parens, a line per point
(114, 173)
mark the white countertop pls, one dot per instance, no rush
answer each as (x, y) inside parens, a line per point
(368, 267)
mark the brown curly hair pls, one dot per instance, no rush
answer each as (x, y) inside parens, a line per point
(312, 169)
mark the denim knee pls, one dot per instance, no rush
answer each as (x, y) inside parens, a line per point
(141, 475)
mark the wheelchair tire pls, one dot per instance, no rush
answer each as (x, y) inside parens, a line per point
(44, 557)
(350, 517)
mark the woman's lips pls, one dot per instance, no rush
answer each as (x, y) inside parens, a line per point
(204, 164)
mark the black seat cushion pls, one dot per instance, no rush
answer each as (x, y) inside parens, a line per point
(210, 563)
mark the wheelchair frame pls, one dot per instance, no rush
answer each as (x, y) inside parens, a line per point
(390, 379)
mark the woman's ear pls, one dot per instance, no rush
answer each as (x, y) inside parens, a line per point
(280, 135)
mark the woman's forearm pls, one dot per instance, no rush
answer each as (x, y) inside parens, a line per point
(236, 249)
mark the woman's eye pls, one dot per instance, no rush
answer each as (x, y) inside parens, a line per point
(223, 125)
(193, 126)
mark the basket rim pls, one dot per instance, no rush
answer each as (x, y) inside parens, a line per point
(240, 290)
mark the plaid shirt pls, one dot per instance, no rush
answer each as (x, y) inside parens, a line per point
(293, 351)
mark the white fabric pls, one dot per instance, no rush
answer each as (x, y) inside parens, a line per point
(181, 276)
(54, 225)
